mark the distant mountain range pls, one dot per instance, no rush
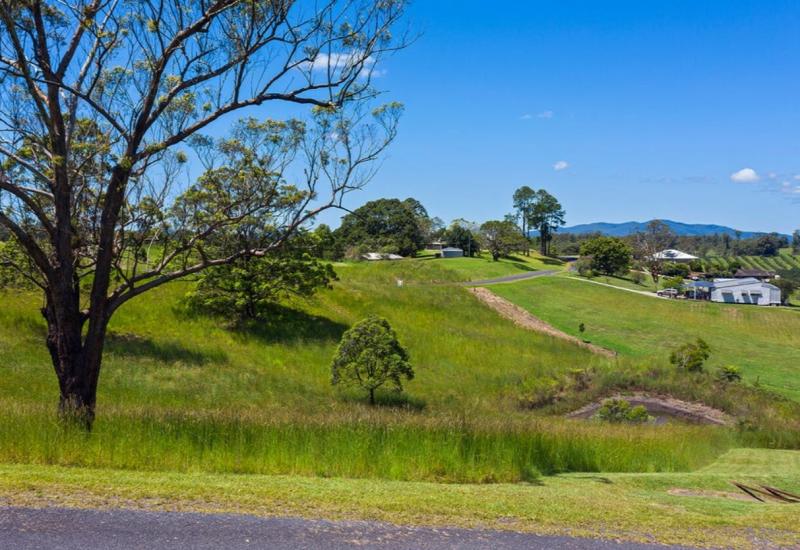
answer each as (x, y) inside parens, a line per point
(683, 229)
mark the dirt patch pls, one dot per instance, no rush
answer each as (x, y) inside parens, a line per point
(677, 491)
(524, 319)
(664, 406)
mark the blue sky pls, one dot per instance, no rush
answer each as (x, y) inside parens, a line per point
(648, 109)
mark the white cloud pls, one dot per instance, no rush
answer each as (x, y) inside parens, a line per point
(526, 116)
(745, 175)
(560, 165)
(797, 177)
(545, 114)
(338, 62)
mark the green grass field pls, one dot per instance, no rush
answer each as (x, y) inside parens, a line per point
(187, 402)
(763, 342)
(182, 393)
(483, 267)
(686, 509)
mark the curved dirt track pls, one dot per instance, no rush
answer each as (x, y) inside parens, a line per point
(526, 320)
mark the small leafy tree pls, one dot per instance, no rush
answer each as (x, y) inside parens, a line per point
(637, 277)
(245, 289)
(370, 356)
(656, 237)
(461, 236)
(787, 288)
(609, 255)
(501, 238)
(691, 356)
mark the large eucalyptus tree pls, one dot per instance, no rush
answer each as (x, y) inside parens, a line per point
(109, 181)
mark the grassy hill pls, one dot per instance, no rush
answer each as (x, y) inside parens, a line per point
(196, 415)
(182, 393)
(764, 343)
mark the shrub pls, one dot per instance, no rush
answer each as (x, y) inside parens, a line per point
(691, 356)
(675, 270)
(729, 374)
(673, 282)
(620, 410)
(637, 277)
(584, 267)
(370, 356)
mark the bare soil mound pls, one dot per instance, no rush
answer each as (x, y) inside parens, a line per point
(664, 407)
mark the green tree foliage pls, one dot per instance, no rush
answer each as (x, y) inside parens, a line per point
(609, 255)
(770, 245)
(98, 101)
(787, 286)
(246, 289)
(501, 238)
(796, 241)
(656, 237)
(691, 356)
(729, 374)
(675, 282)
(618, 411)
(370, 356)
(546, 215)
(388, 225)
(12, 275)
(524, 199)
(674, 269)
(461, 236)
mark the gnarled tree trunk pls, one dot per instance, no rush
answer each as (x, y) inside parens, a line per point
(76, 359)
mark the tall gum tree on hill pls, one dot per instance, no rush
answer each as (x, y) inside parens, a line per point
(97, 98)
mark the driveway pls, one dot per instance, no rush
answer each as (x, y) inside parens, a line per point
(58, 528)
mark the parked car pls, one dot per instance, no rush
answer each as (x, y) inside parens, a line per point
(668, 292)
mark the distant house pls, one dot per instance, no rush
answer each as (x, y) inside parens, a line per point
(435, 245)
(672, 255)
(451, 252)
(745, 291)
(372, 256)
(759, 274)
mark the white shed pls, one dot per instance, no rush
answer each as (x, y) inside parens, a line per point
(745, 291)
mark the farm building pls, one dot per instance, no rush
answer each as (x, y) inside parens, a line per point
(672, 255)
(451, 252)
(745, 291)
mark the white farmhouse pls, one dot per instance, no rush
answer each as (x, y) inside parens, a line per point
(745, 291)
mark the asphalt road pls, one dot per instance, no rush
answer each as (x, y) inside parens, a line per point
(58, 528)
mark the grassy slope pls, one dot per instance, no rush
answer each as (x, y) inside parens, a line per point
(764, 342)
(179, 393)
(618, 506)
(483, 267)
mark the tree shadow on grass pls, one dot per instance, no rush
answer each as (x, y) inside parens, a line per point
(285, 325)
(131, 345)
(388, 400)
